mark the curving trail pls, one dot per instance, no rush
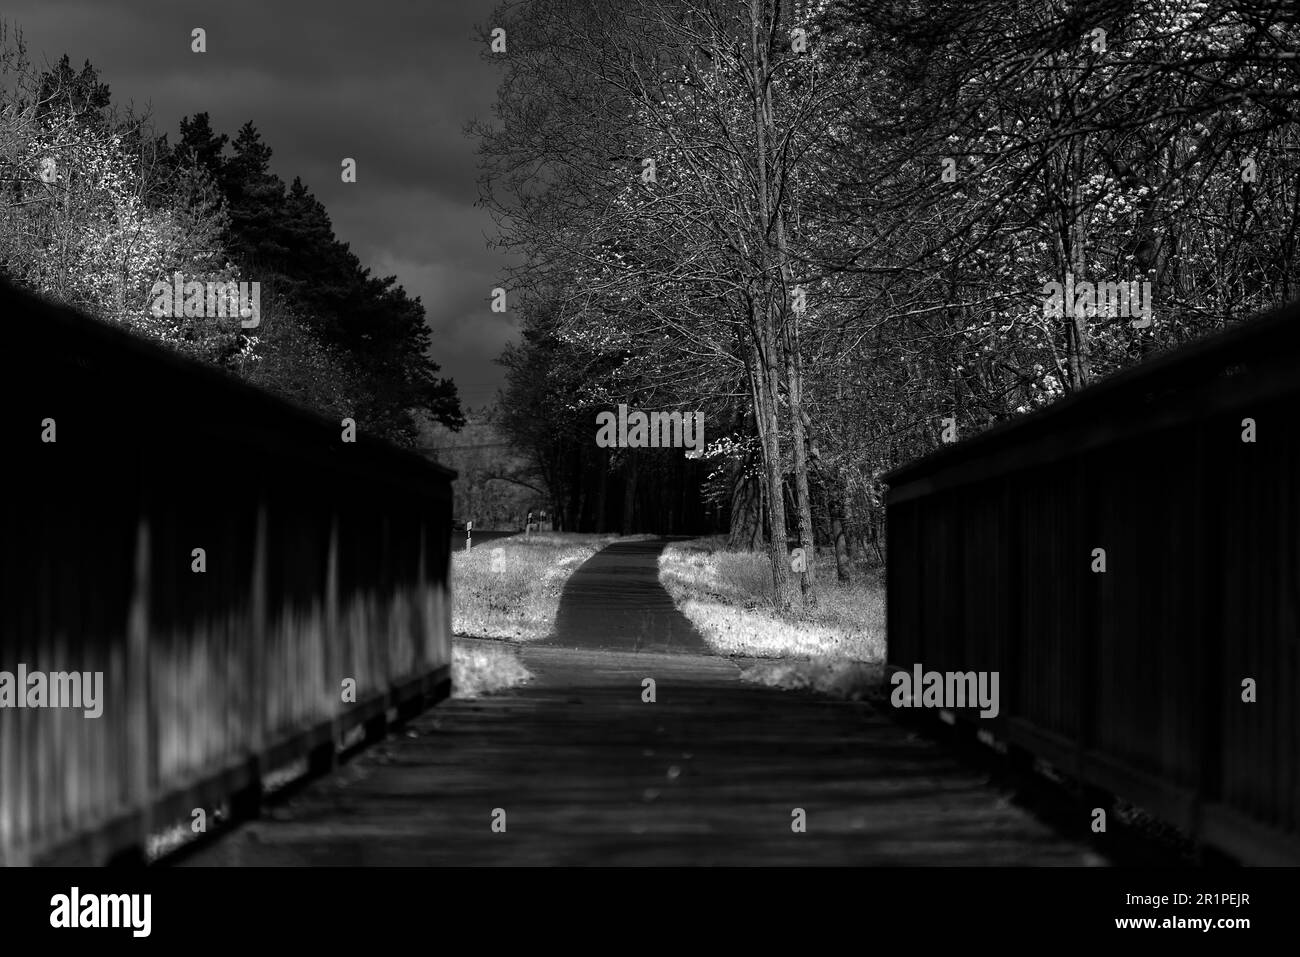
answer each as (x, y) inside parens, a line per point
(614, 602)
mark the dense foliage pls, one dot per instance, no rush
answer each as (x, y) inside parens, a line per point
(833, 225)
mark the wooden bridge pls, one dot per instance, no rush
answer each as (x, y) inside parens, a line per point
(1173, 676)
(322, 607)
(256, 591)
(577, 768)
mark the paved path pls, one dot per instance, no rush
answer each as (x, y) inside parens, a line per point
(589, 773)
(615, 602)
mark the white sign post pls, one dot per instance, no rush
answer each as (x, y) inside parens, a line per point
(469, 527)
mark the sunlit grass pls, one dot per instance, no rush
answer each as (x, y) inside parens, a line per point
(481, 667)
(841, 679)
(728, 597)
(510, 588)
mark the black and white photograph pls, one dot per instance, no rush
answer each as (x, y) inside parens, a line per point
(824, 462)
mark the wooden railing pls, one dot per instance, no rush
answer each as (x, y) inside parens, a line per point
(322, 606)
(1131, 679)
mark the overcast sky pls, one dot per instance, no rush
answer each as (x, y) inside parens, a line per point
(389, 82)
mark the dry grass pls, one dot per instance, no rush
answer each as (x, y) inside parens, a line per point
(481, 667)
(840, 679)
(510, 588)
(728, 597)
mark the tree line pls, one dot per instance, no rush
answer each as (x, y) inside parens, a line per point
(833, 226)
(96, 209)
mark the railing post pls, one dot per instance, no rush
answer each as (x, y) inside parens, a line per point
(247, 803)
(387, 593)
(258, 634)
(422, 606)
(1211, 640)
(322, 758)
(139, 691)
(1089, 619)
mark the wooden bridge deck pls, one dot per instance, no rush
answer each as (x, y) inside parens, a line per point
(588, 773)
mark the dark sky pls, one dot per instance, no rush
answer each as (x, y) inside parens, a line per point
(389, 82)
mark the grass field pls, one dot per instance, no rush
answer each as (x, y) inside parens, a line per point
(837, 648)
(509, 589)
(482, 667)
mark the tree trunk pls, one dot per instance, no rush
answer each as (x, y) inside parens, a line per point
(877, 523)
(765, 339)
(629, 495)
(602, 492)
(835, 509)
(763, 382)
(798, 446)
(839, 540)
(852, 526)
(783, 326)
(746, 532)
